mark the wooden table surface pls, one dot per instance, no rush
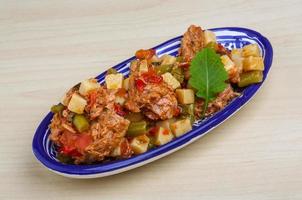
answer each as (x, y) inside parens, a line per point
(47, 46)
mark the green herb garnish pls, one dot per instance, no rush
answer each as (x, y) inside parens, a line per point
(207, 75)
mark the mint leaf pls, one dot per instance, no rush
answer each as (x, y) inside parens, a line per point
(208, 75)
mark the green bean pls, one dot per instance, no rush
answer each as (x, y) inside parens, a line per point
(179, 59)
(178, 73)
(163, 69)
(134, 117)
(137, 128)
(80, 122)
(64, 158)
(187, 111)
(111, 71)
(151, 144)
(57, 108)
(249, 78)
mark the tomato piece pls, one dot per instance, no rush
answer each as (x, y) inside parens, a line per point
(145, 54)
(83, 141)
(73, 144)
(70, 151)
(140, 85)
(68, 139)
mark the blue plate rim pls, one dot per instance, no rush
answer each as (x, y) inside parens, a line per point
(84, 170)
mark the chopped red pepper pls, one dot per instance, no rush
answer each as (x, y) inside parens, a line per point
(140, 85)
(145, 54)
(166, 132)
(70, 151)
(153, 131)
(152, 77)
(177, 111)
(119, 109)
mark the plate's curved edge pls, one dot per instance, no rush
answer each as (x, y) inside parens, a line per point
(142, 160)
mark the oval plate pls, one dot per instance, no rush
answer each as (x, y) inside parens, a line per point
(230, 37)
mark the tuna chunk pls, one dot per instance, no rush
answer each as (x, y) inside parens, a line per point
(219, 103)
(107, 133)
(156, 100)
(192, 42)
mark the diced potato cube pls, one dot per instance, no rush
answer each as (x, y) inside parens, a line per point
(143, 66)
(120, 100)
(163, 136)
(250, 50)
(227, 62)
(237, 58)
(236, 52)
(171, 80)
(134, 64)
(253, 63)
(126, 84)
(116, 152)
(64, 100)
(114, 81)
(251, 77)
(139, 144)
(166, 123)
(181, 127)
(155, 59)
(88, 85)
(77, 104)
(168, 60)
(185, 96)
(209, 36)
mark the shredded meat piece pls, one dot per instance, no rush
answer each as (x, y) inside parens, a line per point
(96, 144)
(160, 100)
(107, 133)
(222, 50)
(192, 42)
(219, 103)
(63, 135)
(104, 99)
(56, 128)
(157, 100)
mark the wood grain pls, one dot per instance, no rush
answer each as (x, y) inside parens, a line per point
(47, 46)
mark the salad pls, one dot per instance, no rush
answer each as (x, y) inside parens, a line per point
(160, 100)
